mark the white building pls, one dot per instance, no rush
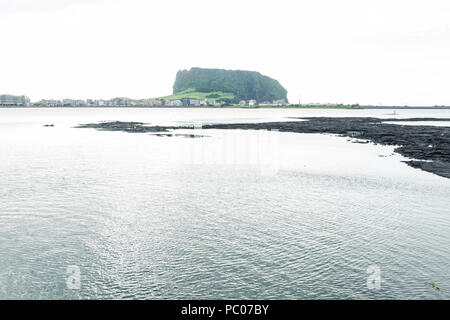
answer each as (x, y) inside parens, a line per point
(194, 102)
(10, 100)
(174, 103)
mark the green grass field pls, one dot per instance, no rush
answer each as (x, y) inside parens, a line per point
(292, 106)
(326, 106)
(219, 95)
(193, 94)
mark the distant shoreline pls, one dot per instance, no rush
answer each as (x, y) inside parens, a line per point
(238, 107)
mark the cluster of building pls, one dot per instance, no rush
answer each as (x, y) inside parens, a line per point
(10, 100)
(281, 102)
(126, 102)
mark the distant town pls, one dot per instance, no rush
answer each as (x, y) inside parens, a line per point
(24, 101)
(7, 100)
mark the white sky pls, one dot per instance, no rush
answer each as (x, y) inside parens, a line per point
(369, 52)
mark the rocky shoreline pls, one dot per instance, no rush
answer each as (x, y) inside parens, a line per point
(428, 147)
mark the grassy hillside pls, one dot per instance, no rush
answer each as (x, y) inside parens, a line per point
(244, 85)
(194, 94)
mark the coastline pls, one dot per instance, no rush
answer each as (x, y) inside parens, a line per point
(241, 107)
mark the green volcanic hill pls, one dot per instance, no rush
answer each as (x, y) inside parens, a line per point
(227, 85)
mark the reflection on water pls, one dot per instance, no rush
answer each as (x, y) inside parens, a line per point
(141, 219)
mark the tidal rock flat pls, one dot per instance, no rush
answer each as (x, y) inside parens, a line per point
(428, 147)
(131, 127)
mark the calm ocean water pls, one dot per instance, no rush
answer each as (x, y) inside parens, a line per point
(88, 214)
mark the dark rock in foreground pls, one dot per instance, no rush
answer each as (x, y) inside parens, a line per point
(427, 146)
(131, 127)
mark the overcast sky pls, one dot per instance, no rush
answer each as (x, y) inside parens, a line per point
(349, 51)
